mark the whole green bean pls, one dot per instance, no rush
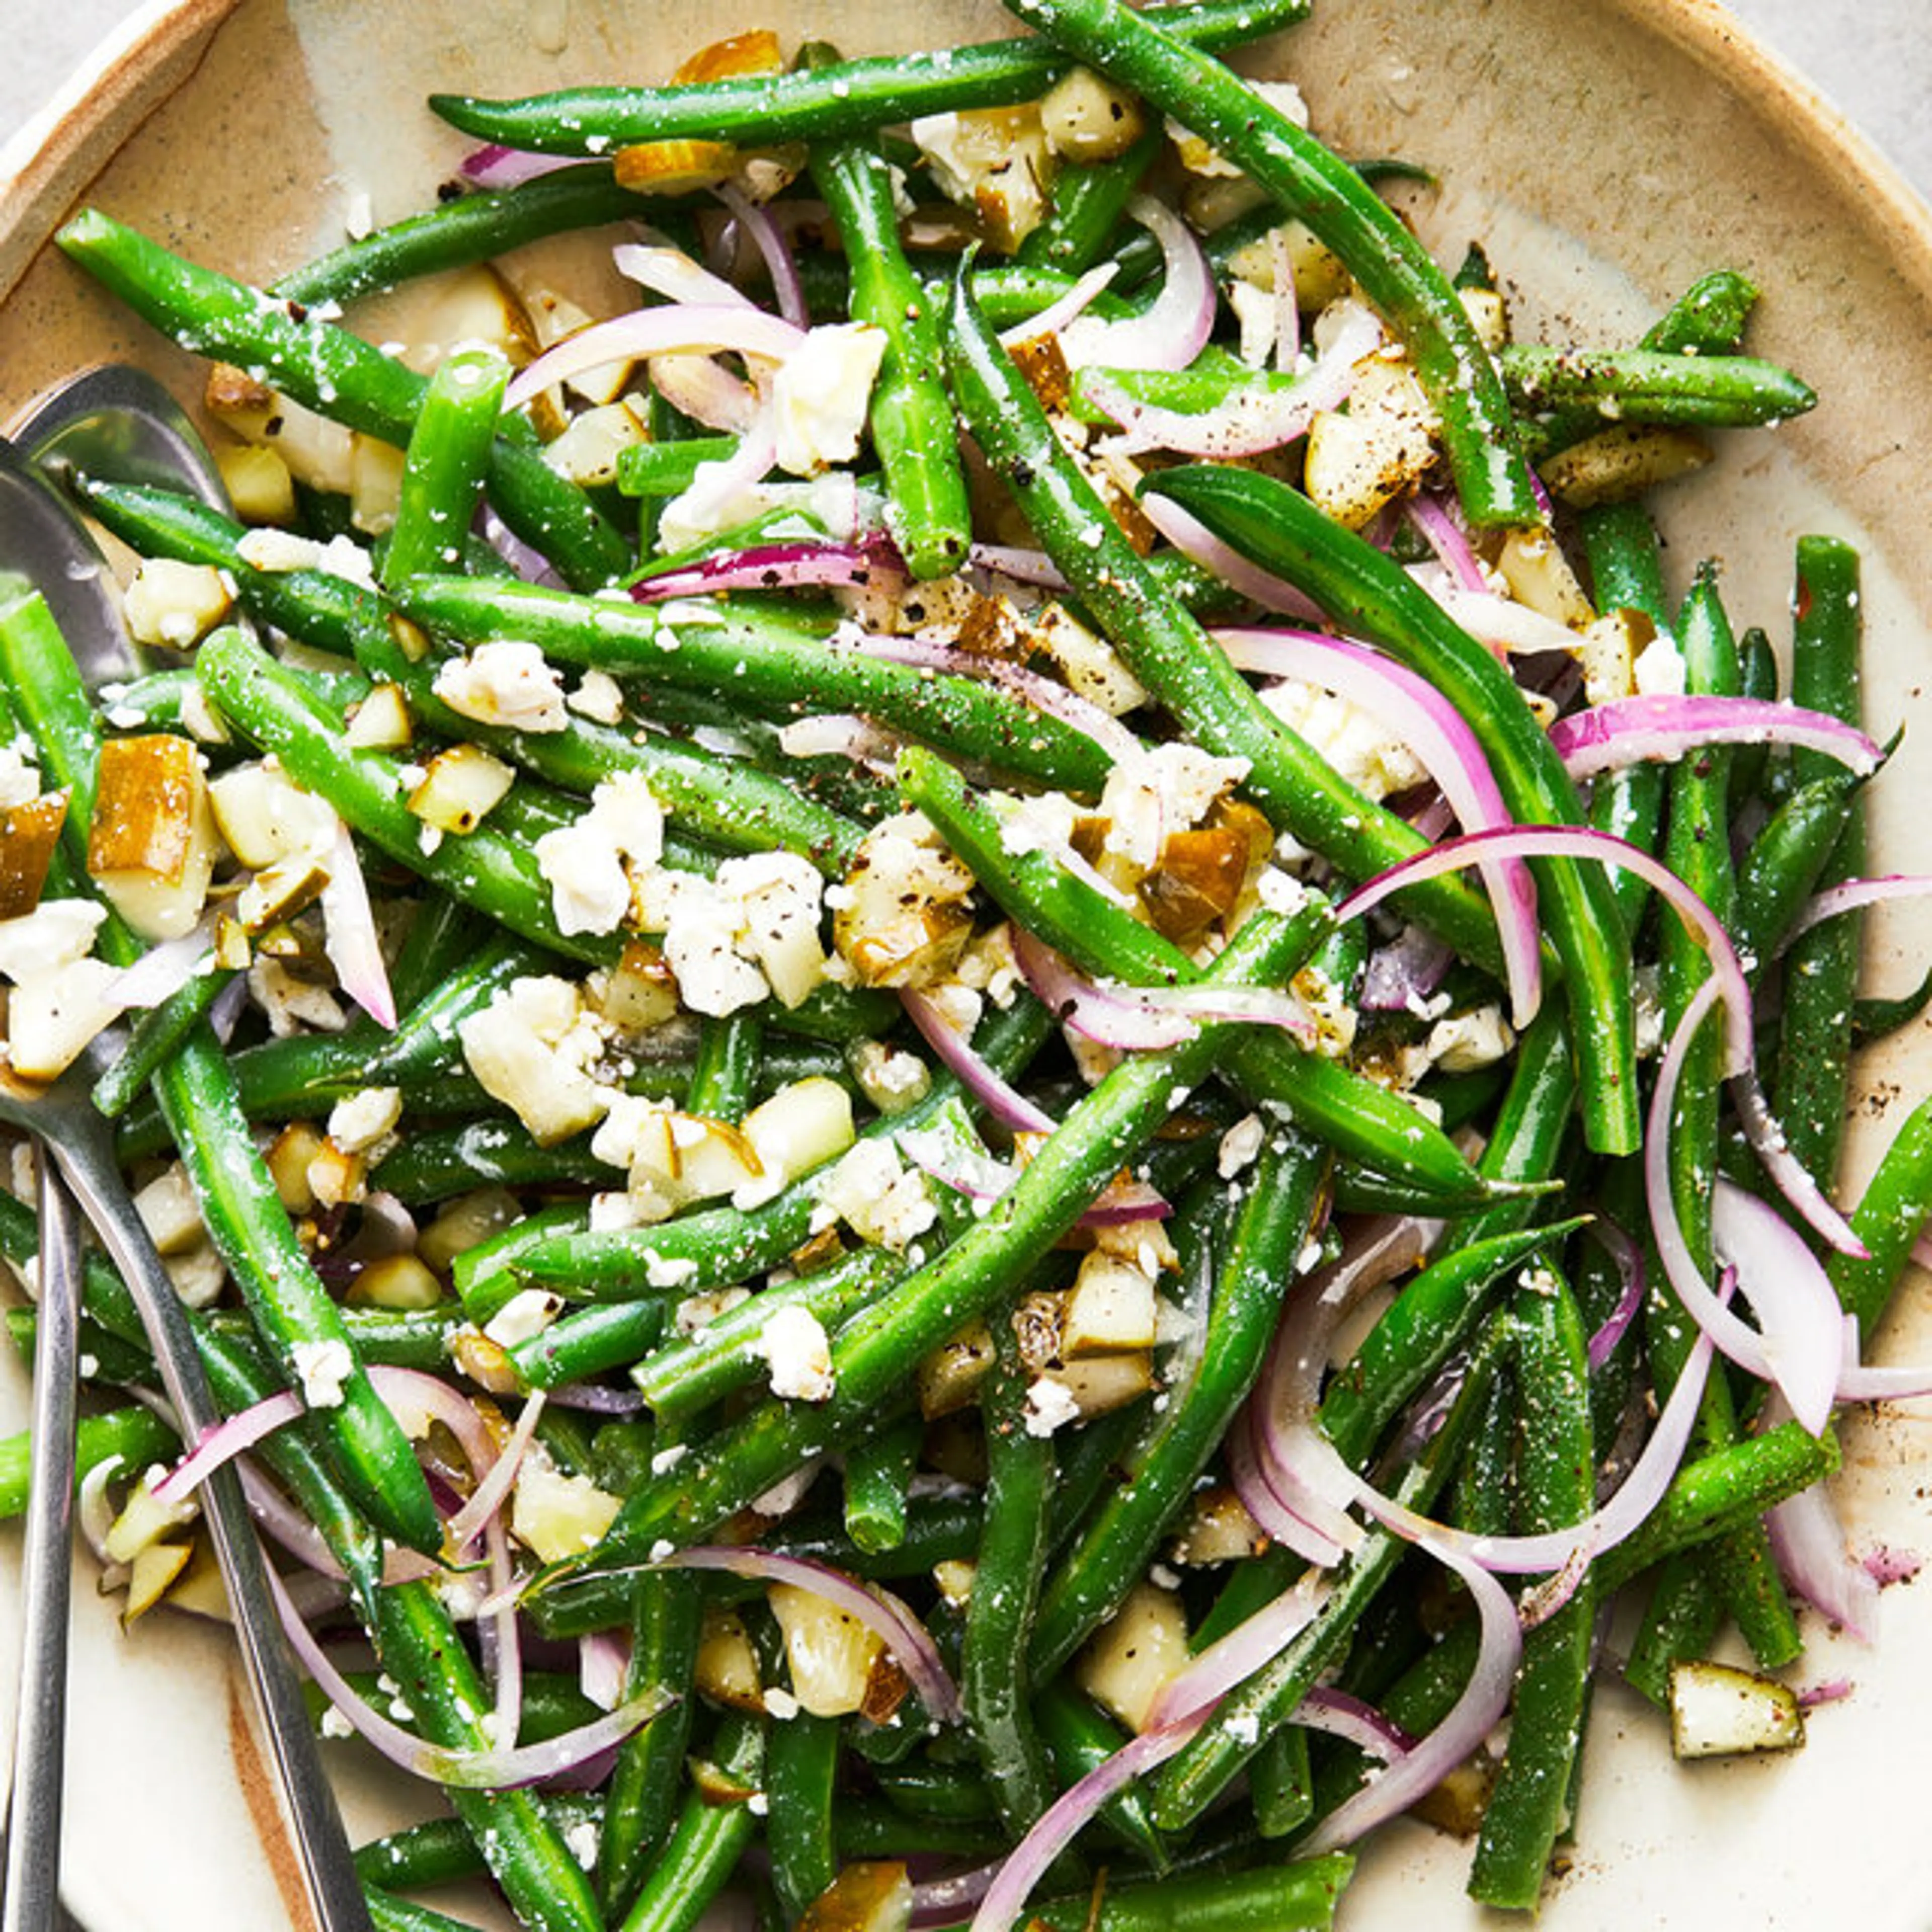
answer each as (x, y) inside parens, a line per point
(852, 97)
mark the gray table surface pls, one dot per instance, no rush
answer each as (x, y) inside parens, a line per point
(1872, 58)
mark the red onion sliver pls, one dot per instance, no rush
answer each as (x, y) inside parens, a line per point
(464, 1771)
(1023, 566)
(1854, 894)
(669, 272)
(1341, 1715)
(1192, 538)
(1412, 710)
(242, 1430)
(525, 559)
(1171, 333)
(1063, 1819)
(350, 937)
(495, 166)
(1483, 1701)
(1261, 415)
(1808, 1541)
(494, 1486)
(1053, 319)
(785, 566)
(772, 248)
(705, 391)
(1629, 1259)
(1277, 1516)
(677, 328)
(1627, 730)
(1445, 537)
(162, 970)
(1231, 1660)
(1006, 1103)
(603, 1658)
(1499, 624)
(907, 1640)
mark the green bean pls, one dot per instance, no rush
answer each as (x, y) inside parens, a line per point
(1532, 1126)
(1159, 1471)
(1084, 205)
(801, 1772)
(135, 1437)
(853, 97)
(1299, 1896)
(1887, 1220)
(472, 228)
(910, 416)
(154, 1038)
(878, 1471)
(1079, 1738)
(680, 1381)
(1681, 1621)
(1323, 1097)
(1191, 1780)
(875, 1351)
(326, 368)
(709, 1838)
(995, 1682)
(1787, 861)
(780, 662)
(1375, 597)
(1394, 269)
(1821, 970)
(654, 470)
(1556, 1488)
(1875, 1019)
(864, 1828)
(388, 1913)
(446, 463)
(666, 1620)
(1654, 386)
(1280, 1783)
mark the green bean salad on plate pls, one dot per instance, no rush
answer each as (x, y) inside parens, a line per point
(995, 1081)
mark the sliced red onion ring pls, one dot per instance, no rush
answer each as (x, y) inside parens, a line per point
(1192, 538)
(1134, 1017)
(779, 566)
(596, 1398)
(705, 390)
(669, 272)
(464, 1771)
(1767, 1142)
(1412, 710)
(676, 328)
(1053, 319)
(93, 1508)
(603, 1658)
(840, 734)
(227, 1440)
(907, 1640)
(1043, 694)
(1061, 1821)
(942, 1901)
(983, 1178)
(1404, 973)
(713, 486)
(1444, 535)
(494, 1485)
(529, 562)
(284, 1524)
(1005, 1102)
(1814, 1558)
(1023, 566)
(1499, 624)
(1175, 329)
(1483, 1701)
(495, 166)
(1260, 415)
(1341, 1715)
(1854, 894)
(1280, 1517)
(350, 937)
(1629, 1259)
(772, 248)
(1630, 731)
(1256, 1640)
(162, 970)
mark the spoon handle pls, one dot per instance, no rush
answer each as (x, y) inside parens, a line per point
(31, 1901)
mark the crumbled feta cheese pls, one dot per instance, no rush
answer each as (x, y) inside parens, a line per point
(1050, 1406)
(821, 394)
(702, 922)
(1660, 669)
(780, 1703)
(505, 681)
(667, 1459)
(1240, 1146)
(796, 1347)
(19, 780)
(533, 1048)
(880, 1200)
(890, 1078)
(1346, 736)
(291, 1003)
(696, 1312)
(56, 933)
(524, 1316)
(669, 1270)
(334, 1724)
(175, 603)
(585, 864)
(357, 1123)
(323, 1370)
(598, 697)
(581, 1839)
(1168, 789)
(1465, 1041)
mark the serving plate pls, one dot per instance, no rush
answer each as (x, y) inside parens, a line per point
(1606, 152)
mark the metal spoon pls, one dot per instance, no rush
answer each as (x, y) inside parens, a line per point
(42, 539)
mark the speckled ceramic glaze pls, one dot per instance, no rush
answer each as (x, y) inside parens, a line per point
(1606, 152)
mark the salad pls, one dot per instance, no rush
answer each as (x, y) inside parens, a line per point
(955, 1038)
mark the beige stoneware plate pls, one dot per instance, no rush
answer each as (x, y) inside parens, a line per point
(1607, 151)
